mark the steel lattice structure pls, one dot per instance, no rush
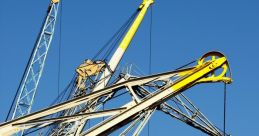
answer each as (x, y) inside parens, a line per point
(166, 87)
(34, 70)
(146, 94)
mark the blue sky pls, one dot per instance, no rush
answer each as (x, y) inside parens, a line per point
(183, 30)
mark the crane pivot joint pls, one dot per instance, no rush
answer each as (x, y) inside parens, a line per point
(218, 62)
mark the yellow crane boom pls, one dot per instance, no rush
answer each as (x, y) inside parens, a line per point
(186, 78)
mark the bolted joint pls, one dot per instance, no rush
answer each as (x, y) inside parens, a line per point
(213, 65)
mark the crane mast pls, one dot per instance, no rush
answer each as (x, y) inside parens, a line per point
(34, 69)
(72, 128)
(117, 56)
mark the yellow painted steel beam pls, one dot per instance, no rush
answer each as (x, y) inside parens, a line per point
(195, 76)
(117, 56)
(130, 34)
(188, 77)
(170, 90)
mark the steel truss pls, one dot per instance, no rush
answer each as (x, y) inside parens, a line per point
(160, 92)
(165, 87)
(31, 78)
(33, 75)
(77, 127)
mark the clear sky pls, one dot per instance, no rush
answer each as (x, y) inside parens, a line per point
(183, 30)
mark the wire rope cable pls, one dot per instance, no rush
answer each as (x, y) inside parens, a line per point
(225, 108)
(150, 53)
(112, 42)
(59, 47)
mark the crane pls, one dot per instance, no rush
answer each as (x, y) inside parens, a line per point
(147, 94)
(143, 103)
(30, 80)
(107, 73)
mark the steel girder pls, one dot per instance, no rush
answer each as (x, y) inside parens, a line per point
(168, 85)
